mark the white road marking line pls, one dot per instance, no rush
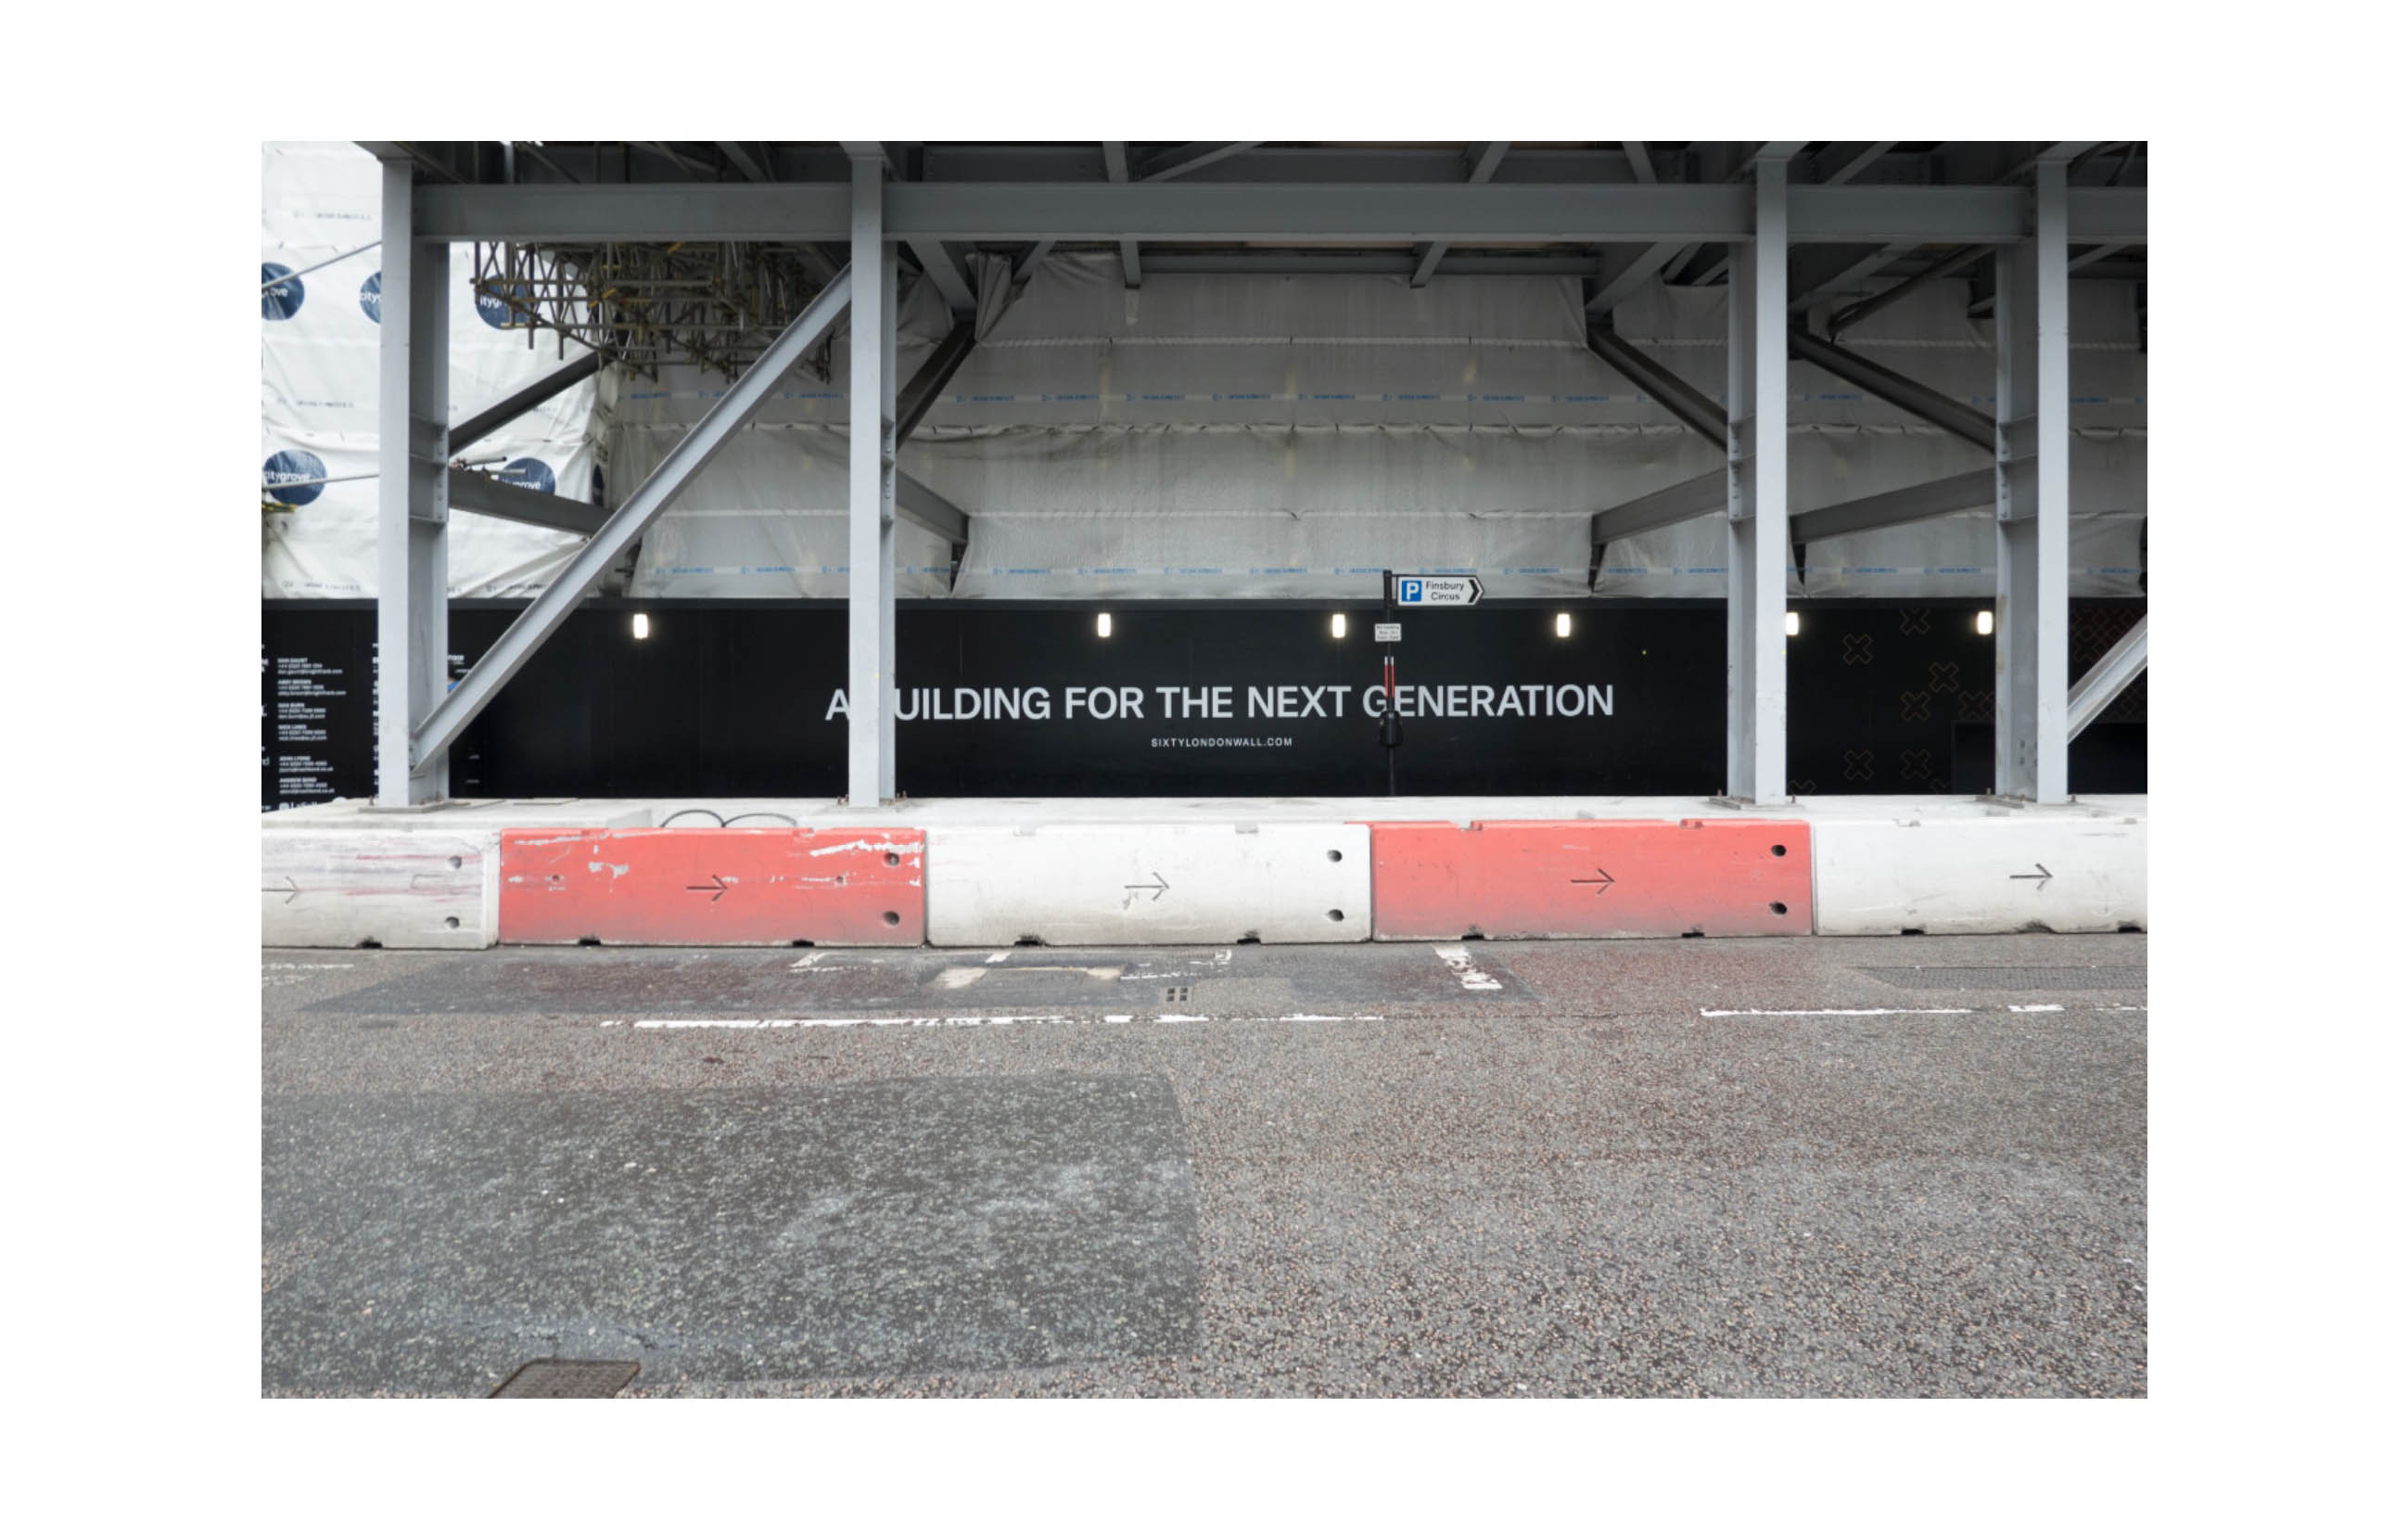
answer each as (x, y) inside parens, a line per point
(1180, 1018)
(1459, 959)
(1116, 1017)
(972, 1021)
(954, 977)
(998, 958)
(2036, 1007)
(805, 962)
(1819, 1012)
(267, 966)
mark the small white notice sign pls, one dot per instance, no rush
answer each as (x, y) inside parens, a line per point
(1387, 634)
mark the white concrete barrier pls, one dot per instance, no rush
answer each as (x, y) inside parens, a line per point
(401, 887)
(1296, 883)
(2016, 871)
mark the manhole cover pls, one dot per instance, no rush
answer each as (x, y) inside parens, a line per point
(2012, 977)
(568, 1378)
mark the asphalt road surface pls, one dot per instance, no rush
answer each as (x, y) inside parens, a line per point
(1813, 1166)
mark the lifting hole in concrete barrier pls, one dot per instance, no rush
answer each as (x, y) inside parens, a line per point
(1779, 850)
(1336, 915)
(892, 859)
(451, 922)
(1780, 909)
(455, 860)
(893, 919)
(1334, 855)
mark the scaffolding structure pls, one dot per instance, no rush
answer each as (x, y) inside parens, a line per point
(662, 265)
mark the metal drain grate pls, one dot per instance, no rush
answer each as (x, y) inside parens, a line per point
(2012, 977)
(1174, 994)
(538, 1378)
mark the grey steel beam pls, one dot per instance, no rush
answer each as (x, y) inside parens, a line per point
(1642, 169)
(914, 398)
(741, 158)
(1846, 277)
(1678, 503)
(2095, 254)
(1685, 401)
(1896, 389)
(1204, 212)
(1947, 266)
(1190, 157)
(1116, 170)
(482, 493)
(2103, 684)
(438, 730)
(946, 273)
(511, 406)
(869, 588)
(1858, 163)
(1898, 507)
(923, 507)
(1365, 262)
(2033, 500)
(1481, 163)
(1757, 718)
(413, 556)
(1632, 276)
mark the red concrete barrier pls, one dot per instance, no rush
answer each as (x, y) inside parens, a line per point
(710, 884)
(1591, 879)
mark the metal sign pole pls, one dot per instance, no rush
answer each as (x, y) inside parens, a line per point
(1392, 733)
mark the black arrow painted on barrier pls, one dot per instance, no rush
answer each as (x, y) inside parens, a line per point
(717, 887)
(291, 891)
(2043, 876)
(1603, 880)
(1158, 886)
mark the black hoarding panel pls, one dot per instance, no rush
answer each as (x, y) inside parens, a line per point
(747, 699)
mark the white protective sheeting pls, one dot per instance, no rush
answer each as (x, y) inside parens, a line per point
(1291, 437)
(318, 394)
(766, 517)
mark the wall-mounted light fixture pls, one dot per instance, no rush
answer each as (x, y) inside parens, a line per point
(1563, 626)
(1789, 626)
(1103, 626)
(642, 626)
(1984, 622)
(1338, 625)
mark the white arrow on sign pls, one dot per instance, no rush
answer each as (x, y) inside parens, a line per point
(1437, 590)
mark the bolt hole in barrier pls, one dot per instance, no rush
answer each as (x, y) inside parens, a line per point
(1590, 879)
(1336, 915)
(704, 885)
(1334, 855)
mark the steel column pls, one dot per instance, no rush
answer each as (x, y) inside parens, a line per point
(413, 408)
(869, 616)
(1757, 726)
(2034, 493)
(591, 563)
